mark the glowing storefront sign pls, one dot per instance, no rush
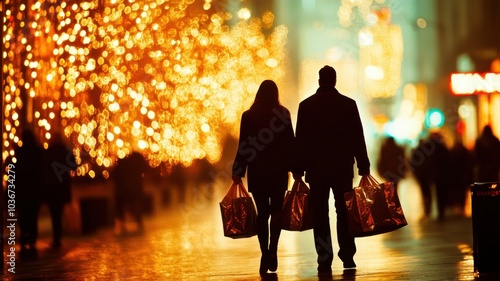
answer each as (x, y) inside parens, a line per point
(472, 83)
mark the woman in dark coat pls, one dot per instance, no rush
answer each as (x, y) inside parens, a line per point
(266, 136)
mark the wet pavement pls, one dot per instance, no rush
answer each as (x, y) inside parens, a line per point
(185, 242)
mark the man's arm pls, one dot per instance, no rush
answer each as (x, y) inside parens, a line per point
(299, 145)
(360, 151)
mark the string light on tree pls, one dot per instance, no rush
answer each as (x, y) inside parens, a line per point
(381, 56)
(168, 78)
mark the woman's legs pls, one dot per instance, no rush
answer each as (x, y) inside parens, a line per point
(276, 209)
(269, 233)
(263, 212)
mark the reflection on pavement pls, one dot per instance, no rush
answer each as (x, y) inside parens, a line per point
(188, 244)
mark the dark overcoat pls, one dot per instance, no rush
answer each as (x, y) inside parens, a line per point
(264, 148)
(329, 137)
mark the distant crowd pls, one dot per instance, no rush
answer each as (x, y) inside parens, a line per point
(446, 172)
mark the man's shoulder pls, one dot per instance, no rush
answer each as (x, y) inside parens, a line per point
(343, 97)
(333, 97)
(246, 114)
(307, 100)
(347, 99)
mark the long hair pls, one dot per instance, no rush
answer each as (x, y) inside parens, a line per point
(267, 96)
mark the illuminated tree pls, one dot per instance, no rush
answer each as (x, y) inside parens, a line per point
(168, 78)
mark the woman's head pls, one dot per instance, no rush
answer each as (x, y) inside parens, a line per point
(267, 96)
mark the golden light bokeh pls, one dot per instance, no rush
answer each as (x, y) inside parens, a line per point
(168, 78)
(381, 56)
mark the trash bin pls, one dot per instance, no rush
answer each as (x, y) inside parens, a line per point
(486, 226)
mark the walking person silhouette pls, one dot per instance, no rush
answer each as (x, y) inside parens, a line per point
(390, 163)
(129, 190)
(487, 155)
(59, 162)
(266, 136)
(29, 186)
(329, 138)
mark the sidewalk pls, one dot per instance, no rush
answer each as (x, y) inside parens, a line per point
(186, 243)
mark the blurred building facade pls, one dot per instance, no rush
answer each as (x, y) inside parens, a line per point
(439, 38)
(468, 43)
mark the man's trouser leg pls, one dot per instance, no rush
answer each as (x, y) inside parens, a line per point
(347, 246)
(320, 194)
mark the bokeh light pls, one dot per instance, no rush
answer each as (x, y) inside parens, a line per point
(168, 78)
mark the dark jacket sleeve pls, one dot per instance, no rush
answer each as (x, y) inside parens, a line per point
(289, 142)
(299, 144)
(360, 153)
(243, 153)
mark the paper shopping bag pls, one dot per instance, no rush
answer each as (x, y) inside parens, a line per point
(297, 211)
(373, 208)
(239, 216)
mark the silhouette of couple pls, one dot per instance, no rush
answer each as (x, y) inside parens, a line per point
(328, 141)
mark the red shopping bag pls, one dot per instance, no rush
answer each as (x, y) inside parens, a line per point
(373, 208)
(239, 216)
(297, 211)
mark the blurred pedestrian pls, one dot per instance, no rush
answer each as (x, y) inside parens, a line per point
(129, 189)
(487, 155)
(59, 163)
(266, 136)
(178, 178)
(431, 170)
(29, 186)
(461, 165)
(423, 172)
(201, 172)
(391, 161)
(441, 160)
(329, 138)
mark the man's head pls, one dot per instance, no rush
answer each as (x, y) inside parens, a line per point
(327, 76)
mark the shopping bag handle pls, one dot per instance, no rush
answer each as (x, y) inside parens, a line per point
(237, 189)
(243, 191)
(368, 180)
(300, 186)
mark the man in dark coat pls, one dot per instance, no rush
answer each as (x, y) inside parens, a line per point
(329, 138)
(59, 163)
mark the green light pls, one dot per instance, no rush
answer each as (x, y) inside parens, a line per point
(434, 118)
